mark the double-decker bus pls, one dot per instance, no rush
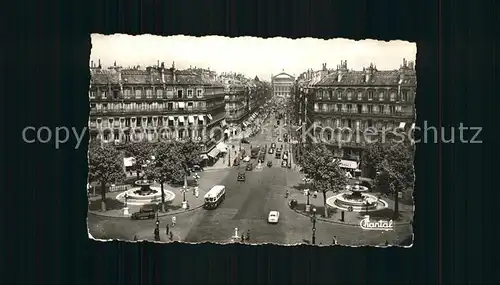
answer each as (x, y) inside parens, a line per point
(214, 197)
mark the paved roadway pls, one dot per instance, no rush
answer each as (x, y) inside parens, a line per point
(246, 207)
(248, 203)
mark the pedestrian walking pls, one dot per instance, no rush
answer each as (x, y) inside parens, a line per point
(171, 236)
(167, 229)
(386, 243)
(248, 235)
(174, 219)
(335, 242)
(135, 238)
(196, 192)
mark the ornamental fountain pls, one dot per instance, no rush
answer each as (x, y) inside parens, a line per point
(356, 200)
(144, 193)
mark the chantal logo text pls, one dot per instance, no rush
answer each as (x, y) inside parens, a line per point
(380, 225)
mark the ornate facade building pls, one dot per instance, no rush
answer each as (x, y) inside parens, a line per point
(330, 101)
(158, 102)
(282, 85)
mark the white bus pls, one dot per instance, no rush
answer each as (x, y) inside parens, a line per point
(214, 197)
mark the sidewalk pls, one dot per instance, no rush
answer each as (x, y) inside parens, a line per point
(206, 182)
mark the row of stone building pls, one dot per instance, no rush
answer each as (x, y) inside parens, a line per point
(329, 100)
(159, 102)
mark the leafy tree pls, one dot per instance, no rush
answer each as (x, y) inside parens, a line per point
(319, 165)
(396, 171)
(372, 158)
(187, 154)
(105, 166)
(141, 151)
(163, 168)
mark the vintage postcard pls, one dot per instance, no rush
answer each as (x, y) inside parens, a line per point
(250, 140)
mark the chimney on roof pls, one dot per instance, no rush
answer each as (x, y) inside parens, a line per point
(99, 64)
(368, 73)
(411, 65)
(91, 64)
(162, 65)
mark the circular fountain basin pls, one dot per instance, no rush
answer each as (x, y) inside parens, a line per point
(362, 203)
(137, 195)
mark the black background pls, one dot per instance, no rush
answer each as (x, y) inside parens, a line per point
(45, 83)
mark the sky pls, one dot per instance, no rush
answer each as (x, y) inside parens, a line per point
(250, 56)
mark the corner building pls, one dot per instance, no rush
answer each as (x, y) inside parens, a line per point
(158, 102)
(358, 100)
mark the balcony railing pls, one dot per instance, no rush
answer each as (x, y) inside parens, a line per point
(123, 111)
(363, 114)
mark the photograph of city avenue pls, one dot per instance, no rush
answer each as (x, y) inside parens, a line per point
(251, 140)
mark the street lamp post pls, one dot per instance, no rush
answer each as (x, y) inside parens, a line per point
(307, 193)
(184, 202)
(313, 220)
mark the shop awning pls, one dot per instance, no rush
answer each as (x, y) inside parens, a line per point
(171, 118)
(214, 152)
(402, 125)
(200, 117)
(245, 124)
(210, 116)
(413, 126)
(222, 147)
(182, 104)
(191, 119)
(349, 164)
(223, 123)
(204, 156)
(181, 119)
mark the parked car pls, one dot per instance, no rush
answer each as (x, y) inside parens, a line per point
(245, 140)
(280, 139)
(271, 150)
(285, 157)
(269, 163)
(241, 176)
(246, 159)
(236, 162)
(273, 217)
(284, 163)
(273, 145)
(196, 168)
(249, 167)
(147, 211)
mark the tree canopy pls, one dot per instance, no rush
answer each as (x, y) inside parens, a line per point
(105, 163)
(320, 166)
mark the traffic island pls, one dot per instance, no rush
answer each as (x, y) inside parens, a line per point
(298, 203)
